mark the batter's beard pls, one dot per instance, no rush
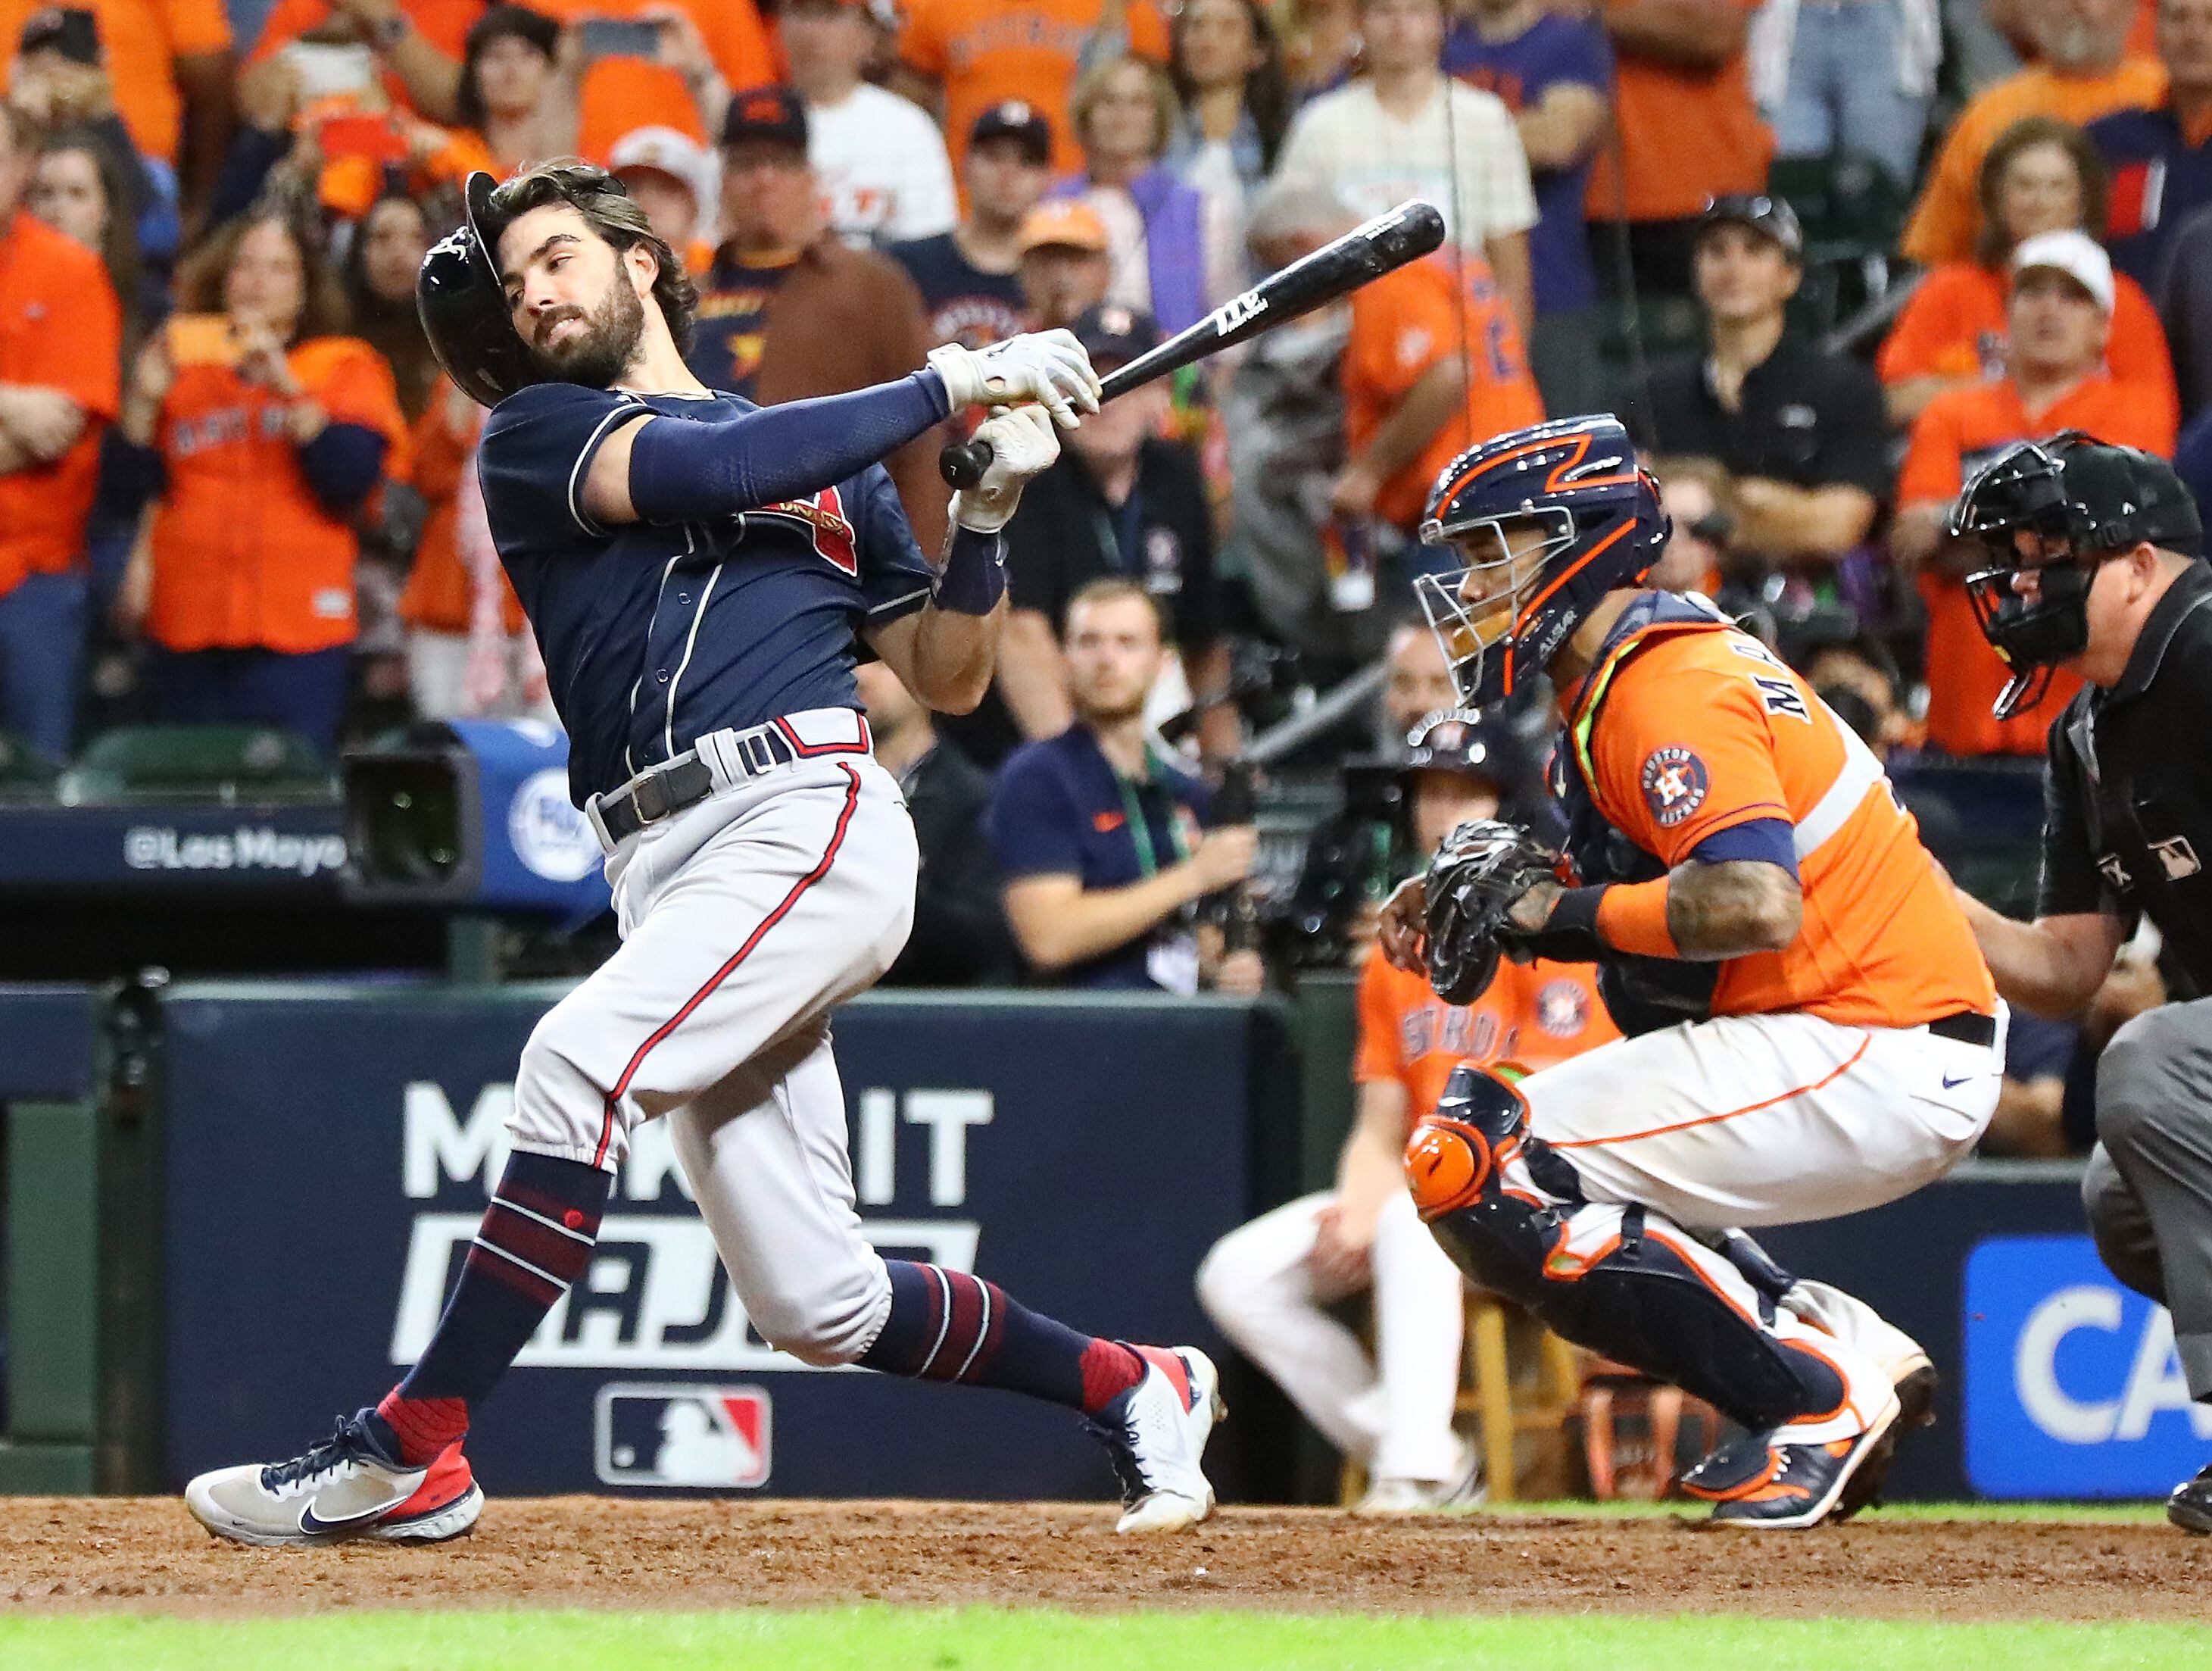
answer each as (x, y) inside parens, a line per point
(603, 352)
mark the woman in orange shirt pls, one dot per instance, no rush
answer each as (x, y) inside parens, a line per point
(268, 429)
(2040, 176)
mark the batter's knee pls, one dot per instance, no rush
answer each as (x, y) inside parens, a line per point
(1230, 1278)
(558, 1110)
(827, 1321)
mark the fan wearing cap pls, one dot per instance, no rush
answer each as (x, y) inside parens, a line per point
(1122, 500)
(1800, 431)
(1268, 1286)
(2059, 321)
(673, 177)
(788, 310)
(1067, 262)
(2088, 562)
(971, 278)
(878, 158)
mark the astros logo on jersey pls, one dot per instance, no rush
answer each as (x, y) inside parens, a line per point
(1674, 784)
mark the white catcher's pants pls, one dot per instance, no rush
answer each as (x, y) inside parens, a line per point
(1394, 1416)
(745, 920)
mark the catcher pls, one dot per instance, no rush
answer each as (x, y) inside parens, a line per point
(1812, 1030)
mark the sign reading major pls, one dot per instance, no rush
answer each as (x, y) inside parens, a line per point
(328, 1153)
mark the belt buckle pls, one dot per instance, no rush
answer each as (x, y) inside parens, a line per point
(757, 753)
(648, 798)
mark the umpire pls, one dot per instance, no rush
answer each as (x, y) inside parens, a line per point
(2094, 567)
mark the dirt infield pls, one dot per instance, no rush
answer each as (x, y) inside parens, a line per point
(145, 1554)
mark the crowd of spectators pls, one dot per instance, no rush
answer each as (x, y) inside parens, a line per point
(235, 487)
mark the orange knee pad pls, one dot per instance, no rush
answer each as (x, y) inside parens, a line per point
(1447, 1164)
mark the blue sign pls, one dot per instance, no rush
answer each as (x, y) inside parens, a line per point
(2073, 1388)
(329, 1149)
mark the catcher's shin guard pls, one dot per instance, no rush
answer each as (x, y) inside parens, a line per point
(1616, 1279)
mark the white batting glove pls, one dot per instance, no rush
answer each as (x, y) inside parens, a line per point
(1022, 445)
(1047, 366)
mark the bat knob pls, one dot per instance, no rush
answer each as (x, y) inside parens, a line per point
(963, 462)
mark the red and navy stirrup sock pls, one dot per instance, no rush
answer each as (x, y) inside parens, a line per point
(535, 1239)
(949, 1325)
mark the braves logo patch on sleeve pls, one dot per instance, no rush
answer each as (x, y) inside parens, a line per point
(1674, 784)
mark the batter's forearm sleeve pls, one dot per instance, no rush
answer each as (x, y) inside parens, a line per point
(683, 472)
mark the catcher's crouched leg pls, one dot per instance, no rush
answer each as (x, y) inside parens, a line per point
(1620, 1280)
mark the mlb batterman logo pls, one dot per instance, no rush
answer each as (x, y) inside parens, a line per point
(1674, 785)
(682, 1434)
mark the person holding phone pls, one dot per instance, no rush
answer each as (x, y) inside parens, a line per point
(60, 365)
(264, 428)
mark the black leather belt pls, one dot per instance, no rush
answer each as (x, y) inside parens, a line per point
(1967, 1026)
(654, 795)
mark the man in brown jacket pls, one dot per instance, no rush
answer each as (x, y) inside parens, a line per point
(789, 311)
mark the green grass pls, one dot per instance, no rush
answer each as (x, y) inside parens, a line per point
(882, 1638)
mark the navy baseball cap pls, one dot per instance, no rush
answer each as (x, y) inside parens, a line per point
(1770, 217)
(1019, 120)
(1116, 334)
(773, 115)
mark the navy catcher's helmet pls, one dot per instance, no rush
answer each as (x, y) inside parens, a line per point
(1501, 616)
(458, 293)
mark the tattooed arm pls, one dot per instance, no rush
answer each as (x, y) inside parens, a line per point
(1710, 909)
(1726, 910)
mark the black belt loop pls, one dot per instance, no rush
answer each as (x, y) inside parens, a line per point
(1968, 1027)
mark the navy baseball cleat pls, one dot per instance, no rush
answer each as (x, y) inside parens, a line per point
(1155, 1435)
(351, 1485)
(2190, 1506)
(1757, 1482)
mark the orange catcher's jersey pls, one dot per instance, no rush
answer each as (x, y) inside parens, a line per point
(1532, 1015)
(1687, 728)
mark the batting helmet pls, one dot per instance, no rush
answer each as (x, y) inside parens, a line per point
(463, 305)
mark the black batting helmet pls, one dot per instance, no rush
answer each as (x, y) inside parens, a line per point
(1474, 745)
(463, 305)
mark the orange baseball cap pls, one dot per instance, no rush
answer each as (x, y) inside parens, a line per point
(1066, 223)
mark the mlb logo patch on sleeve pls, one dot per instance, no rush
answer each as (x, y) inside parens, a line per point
(675, 1434)
(1675, 782)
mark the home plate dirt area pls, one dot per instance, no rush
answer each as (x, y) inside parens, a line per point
(147, 1554)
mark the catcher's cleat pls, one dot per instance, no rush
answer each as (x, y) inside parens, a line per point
(351, 1485)
(1916, 1408)
(1765, 1481)
(2190, 1506)
(1155, 1435)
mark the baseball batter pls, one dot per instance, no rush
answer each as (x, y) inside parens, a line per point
(1814, 1030)
(696, 571)
(1268, 1285)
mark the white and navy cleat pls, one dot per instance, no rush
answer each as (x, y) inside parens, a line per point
(1155, 1434)
(348, 1486)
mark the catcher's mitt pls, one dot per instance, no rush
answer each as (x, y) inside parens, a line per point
(1484, 866)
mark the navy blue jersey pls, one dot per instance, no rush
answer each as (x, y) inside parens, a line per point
(655, 636)
(1060, 808)
(965, 304)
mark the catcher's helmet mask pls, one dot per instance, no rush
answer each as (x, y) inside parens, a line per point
(1575, 482)
(2060, 509)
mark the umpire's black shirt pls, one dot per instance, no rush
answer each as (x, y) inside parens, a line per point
(2128, 794)
(1805, 418)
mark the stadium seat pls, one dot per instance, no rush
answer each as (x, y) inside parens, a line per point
(25, 774)
(1852, 212)
(224, 763)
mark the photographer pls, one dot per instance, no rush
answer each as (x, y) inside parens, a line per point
(2093, 567)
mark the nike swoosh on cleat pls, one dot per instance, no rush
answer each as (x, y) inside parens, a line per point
(314, 1526)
